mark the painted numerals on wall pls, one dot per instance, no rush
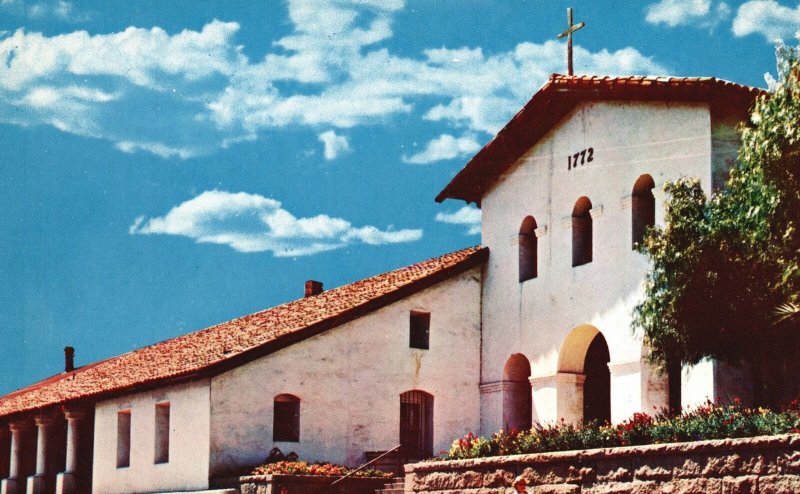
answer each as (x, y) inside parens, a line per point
(580, 158)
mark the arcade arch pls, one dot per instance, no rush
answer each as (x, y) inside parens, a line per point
(583, 382)
(517, 402)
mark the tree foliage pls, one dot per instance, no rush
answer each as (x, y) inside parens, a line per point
(721, 265)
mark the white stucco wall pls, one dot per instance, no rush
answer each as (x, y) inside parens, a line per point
(187, 468)
(663, 140)
(350, 378)
(715, 381)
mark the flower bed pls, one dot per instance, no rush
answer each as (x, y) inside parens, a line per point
(710, 421)
(315, 469)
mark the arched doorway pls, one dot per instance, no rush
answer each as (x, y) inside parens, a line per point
(517, 393)
(597, 386)
(416, 425)
(583, 380)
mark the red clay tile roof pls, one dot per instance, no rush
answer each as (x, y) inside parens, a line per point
(560, 95)
(224, 346)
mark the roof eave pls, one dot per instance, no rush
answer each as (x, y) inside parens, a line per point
(215, 368)
(482, 171)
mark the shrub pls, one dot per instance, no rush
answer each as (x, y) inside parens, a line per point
(708, 421)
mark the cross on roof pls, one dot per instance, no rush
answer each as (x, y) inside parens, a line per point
(571, 28)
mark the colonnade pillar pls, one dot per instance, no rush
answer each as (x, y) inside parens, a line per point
(67, 481)
(38, 483)
(14, 484)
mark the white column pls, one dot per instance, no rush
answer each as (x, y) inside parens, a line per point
(569, 391)
(11, 485)
(37, 484)
(66, 482)
(633, 388)
(491, 407)
(544, 391)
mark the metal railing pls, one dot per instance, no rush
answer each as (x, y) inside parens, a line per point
(362, 467)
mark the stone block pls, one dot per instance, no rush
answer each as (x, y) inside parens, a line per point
(747, 484)
(636, 487)
(547, 474)
(619, 474)
(691, 486)
(555, 489)
(437, 481)
(647, 472)
(468, 480)
(722, 465)
(689, 467)
(792, 462)
(758, 464)
(779, 484)
(498, 478)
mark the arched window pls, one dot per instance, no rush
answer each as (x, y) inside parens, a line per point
(528, 250)
(582, 232)
(416, 425)
(286, 418)
(643, 208)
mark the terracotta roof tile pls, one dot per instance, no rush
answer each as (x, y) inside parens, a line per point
(560, 94)
(226, 345)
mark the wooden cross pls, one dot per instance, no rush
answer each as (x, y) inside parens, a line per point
(571, 28)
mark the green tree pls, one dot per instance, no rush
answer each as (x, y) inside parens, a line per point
(721, 265)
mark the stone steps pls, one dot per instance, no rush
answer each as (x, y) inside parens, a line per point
(396, 486)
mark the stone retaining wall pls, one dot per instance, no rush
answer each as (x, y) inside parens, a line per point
(761, 465)
(302, 484)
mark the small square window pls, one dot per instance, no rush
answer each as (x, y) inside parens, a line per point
(420, 330)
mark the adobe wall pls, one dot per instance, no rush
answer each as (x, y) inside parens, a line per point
(187, 466)
(762, 465)
(349, 381)
(535, 317)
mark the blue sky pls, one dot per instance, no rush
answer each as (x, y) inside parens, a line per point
(167, 166)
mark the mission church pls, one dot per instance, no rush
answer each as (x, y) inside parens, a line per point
(532, 326)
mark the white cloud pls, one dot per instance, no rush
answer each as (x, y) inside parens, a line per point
(156, 148)
(767, 18)
(58, 9)
(702, 13)
(490, 97)
(202, 83)
(468, 216)
(253, 223)
(334, 144)
(444, 147)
